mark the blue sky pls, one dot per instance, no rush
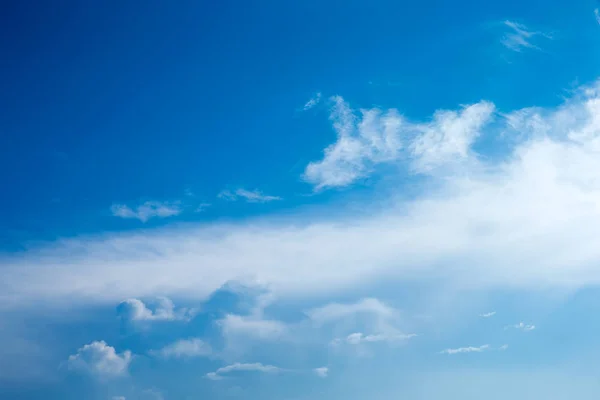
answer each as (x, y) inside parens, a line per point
(300, 200)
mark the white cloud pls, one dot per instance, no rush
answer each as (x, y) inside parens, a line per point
(321, 372)
(164, 310)
(252, 326)
(100, 360)
(336, 311)
(503, 347)
(520, 37)
(597, 15)
(529, 217)
(469, 349)
(316, 99)
(359, 337)
(377, 137)
(147, 210)
(258, 367)
(488, 314)
(522, 326)
(202, 207)
(184, 348)
(251, 196)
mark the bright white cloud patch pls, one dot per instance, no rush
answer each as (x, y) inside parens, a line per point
(252, 326)
(147, 210)
(251, 196)
(374, 137)
(316, 99)
(469, 349)
(519, 37)
(100, 360)
(185, 348)
(336, 311)
(257, 367)
(528, 217)
(321, 372)
(164, 310)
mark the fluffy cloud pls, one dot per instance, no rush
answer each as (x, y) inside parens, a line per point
(100, 360)
(164, 310)
(258, 367)
(184, 348)
(147, 210)
(528, 217)
(519, 37)
(251, 196)
(469, 349)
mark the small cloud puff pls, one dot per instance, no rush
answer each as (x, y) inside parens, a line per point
(321, 372)
(469, 349)
(359, 337)
(316, 99)
(147, 210)
(488, 315)
(218, 374)
(184, 348)
(250, 196)
(100, 360)
(136, 310)
(522, 326)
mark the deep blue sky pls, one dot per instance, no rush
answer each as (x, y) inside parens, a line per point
(308, 182)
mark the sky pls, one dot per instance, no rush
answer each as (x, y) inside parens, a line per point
(300, 200)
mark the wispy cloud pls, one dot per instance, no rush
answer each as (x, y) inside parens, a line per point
(316, 99)
(164, 310)
(375, 137)
(520, 37)
(147, 210)
(359, 337)
(488, 314)
(258, 367)
(184, 348)
(252, 326)
(469, 349)
(100, 360)
(321, 372)
(202, 207)
(597, 15)
(521, 326)
(251, 196)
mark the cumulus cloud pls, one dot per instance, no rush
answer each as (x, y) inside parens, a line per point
(251, 196)
(527, 217)
(164, 310)
(101, 360)
(316, 99)
(258, 367)
(147, 210)
(321, 372)
(519, 37)
(184, 348)
(469, 349)
(488, 314)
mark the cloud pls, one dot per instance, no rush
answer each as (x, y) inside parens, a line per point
(316, 99)
(321, 372)
(519, 37)
(377, 137)
(251, 196)
(597, 15)
(469, 349)
(359, 337)
(527, 217)
(184, 348)
(202, 207)
(100, 360)
(252, 326)
(336, 311)
(164, 310)
(258, 367)
(503, 347)
(488, 314)
(147, 210)
(521, 326)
